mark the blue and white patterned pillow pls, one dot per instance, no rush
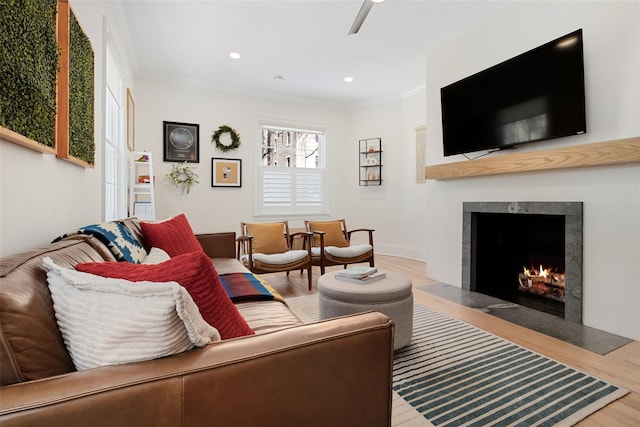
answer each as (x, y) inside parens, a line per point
(117, 237)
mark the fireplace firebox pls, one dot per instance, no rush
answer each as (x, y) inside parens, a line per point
(529, 253)
(514, 253)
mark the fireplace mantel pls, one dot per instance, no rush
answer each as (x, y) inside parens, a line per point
(615, 152)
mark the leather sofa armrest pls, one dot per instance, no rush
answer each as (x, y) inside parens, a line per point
(218, 245)
(334, 372)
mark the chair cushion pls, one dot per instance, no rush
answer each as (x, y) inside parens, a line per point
(268, 238)
(173, 235)
(350, 252)
(108, 321)
(196, 273)
(284, 258)
(333, 236)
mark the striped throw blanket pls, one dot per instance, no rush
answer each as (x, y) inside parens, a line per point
(248, 287)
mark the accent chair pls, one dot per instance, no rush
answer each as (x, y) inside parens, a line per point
(332, 244)
(268, 248)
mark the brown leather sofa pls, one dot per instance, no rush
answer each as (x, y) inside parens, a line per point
(331, 373)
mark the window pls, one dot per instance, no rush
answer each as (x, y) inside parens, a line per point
(115, 204)
(292, 170)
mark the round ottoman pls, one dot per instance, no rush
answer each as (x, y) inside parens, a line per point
(391, 296)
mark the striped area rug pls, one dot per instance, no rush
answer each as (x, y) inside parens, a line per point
(454, 374)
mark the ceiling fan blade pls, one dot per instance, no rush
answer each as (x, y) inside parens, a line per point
(361, 16)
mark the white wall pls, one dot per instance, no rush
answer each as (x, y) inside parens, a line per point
(41, 196)
(611, 195)
(58, 197)
(396, 208)
(212, 209)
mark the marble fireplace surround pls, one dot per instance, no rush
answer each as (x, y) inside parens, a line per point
(572, 212)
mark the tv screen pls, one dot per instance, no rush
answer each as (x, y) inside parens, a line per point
(534, 96)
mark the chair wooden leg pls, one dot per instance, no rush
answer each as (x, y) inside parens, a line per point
(309, 277)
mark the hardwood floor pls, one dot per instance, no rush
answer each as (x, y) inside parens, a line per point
(621, 367)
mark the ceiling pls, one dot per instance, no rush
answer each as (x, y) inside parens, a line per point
(306, 42)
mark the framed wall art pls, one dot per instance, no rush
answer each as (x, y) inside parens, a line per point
(131, 122)
(226, 172)
(54, 115)
(181, 142)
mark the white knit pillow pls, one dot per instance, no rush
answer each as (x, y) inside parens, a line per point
(156, 256)
(107, 321)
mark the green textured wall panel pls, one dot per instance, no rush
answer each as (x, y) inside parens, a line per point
(29, 57)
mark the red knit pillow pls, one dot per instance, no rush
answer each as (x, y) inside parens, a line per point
(196, 273)
(174, 236)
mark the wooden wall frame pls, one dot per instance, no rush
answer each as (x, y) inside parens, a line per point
(61, 147)
(23, 141)
(44, 24)
(131, 122)
(62, 119)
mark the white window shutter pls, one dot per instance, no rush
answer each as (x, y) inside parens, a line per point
(277, 188)
(308, 189)
(291, 170)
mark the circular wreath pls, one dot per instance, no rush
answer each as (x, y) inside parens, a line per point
(235, 138)
(182, 176)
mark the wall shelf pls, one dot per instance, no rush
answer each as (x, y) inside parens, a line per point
(615, 152)
(142, 203)
(370, 162)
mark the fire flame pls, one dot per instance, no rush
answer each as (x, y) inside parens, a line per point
(545, 281)
(543, 272)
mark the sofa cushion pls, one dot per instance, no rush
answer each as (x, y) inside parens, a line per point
(31, 345)
(268, 238)
(229, 265)
(107, 321)
(196, 273)
(117, 237)
(173, 235)
(333, 236)
(133, 224)
(267, 316)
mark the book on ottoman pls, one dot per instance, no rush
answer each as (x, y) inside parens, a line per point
(368, 278)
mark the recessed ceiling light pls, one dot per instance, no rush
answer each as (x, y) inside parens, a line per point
(377, 1)
(348, 79)
(234, 55)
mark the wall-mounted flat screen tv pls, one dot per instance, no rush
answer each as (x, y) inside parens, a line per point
(535, 96)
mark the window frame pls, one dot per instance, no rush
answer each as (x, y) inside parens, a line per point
(293, 209)
(114, 178)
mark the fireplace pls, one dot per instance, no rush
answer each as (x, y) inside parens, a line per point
(529, 253)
